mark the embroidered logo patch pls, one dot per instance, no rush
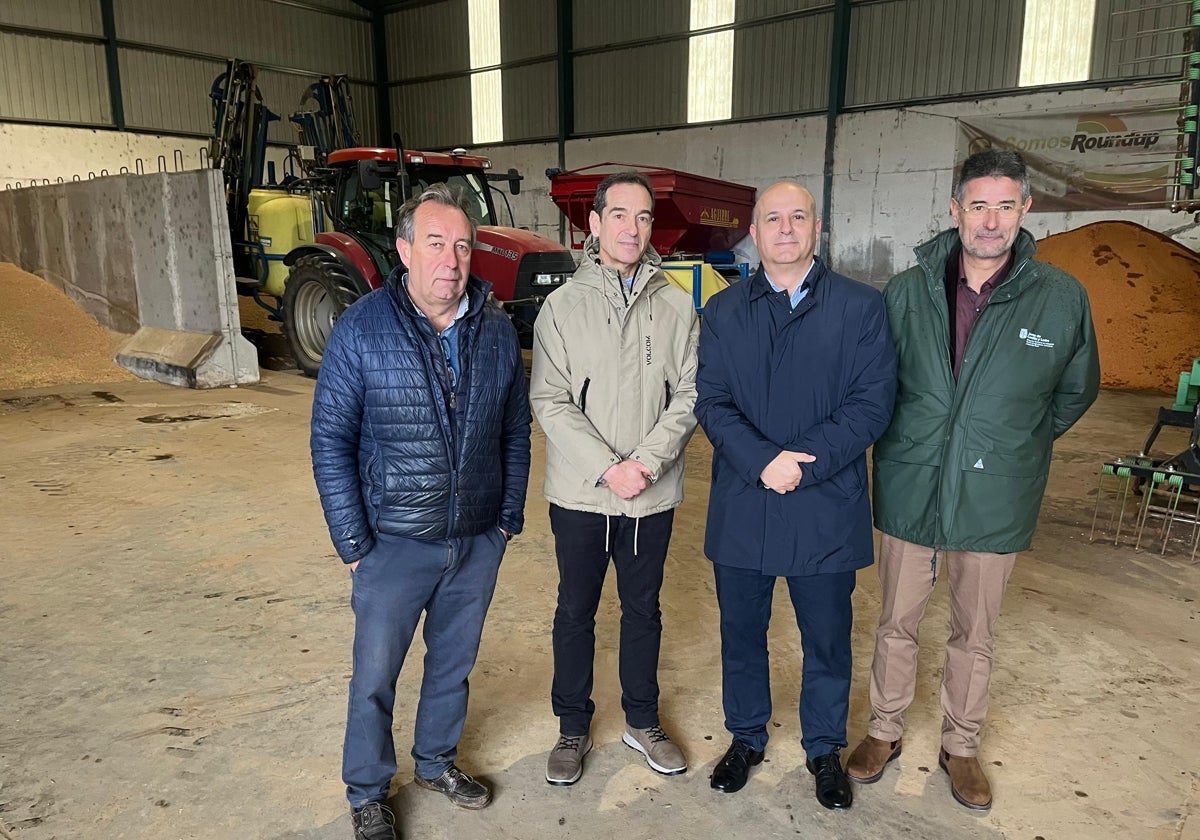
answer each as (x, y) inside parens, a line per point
(1032, 339)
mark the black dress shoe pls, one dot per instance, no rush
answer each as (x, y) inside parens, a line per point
(833, 785)
(731, 772)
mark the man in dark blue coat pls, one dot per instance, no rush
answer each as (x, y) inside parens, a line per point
(420, 447)
(797, 378)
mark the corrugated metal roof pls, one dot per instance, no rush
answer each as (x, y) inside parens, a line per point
(619, 21)
(428, 41)
(53, 80)
(79, 16)
(528, 28)
(641, 87)
(1118, 49)
(433, 115)
(782, 68)
(252, 30)
(755, 9)
(167, 93)
(917, 49)
(531, 101)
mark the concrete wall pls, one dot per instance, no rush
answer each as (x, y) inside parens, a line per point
(143, 254)
(893, 171)
(37, 153)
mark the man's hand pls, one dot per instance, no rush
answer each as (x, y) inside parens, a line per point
(353, 566)
(784, 473)
(627, 478)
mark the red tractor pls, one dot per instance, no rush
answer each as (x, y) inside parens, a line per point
(307, 249)
(362, 191)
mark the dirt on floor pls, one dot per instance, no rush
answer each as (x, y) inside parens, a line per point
(1145, 294)
(46, 339)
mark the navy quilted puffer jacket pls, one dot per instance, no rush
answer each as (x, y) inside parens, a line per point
(389, 454)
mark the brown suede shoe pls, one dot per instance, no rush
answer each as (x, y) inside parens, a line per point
(870, 759)
(967, 782)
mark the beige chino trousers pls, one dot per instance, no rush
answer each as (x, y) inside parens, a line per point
(977, 581)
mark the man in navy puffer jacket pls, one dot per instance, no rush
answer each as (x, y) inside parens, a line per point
(420, 447)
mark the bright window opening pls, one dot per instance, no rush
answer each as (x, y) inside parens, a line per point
(710, 62)
(1057, 43)
(487, 92)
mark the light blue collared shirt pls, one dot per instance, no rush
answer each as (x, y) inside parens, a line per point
(801, 289)
(449, 337)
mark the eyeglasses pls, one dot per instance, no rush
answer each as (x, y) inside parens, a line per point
(979, 210)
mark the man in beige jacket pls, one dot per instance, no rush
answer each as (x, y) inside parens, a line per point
(613, 387)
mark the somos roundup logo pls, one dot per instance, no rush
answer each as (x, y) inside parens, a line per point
(1101, 132)
(1095, 132)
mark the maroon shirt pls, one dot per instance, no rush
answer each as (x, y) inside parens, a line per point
(969, 304)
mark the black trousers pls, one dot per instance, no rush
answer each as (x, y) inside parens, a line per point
(584, 544)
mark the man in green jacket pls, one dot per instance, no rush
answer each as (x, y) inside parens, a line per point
(996, 358)
(613, 385)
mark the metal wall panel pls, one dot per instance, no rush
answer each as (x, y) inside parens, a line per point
(528, 28)
(755, 9)
(78, 16)
(51, 80)
(531, 101)
(1117, 48)
(917, 49)
(433, 115)
(641, 87)
(257, 31)
(782, 68)
(618, 21)
(346, 6)
(168, 93)
(428, 41)
(364, 114)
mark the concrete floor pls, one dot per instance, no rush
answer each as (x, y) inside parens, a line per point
(176, 634)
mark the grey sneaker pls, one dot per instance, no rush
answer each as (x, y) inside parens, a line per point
(373, 821)
(660, 751)
(565, 764)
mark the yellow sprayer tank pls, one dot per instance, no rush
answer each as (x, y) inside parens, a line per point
(283, 220)
(683, 274)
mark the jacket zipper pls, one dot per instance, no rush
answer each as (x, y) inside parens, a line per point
(667, 385)
(583, 395)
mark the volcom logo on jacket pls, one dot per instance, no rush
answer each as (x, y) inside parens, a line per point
(1032, 339)
(648, 353)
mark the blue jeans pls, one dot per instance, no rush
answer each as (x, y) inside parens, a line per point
(451, 581)
(824, 615)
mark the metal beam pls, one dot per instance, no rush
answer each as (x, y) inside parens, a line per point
(113, 63)
(566, 91)
(383, 104)
(839, 61)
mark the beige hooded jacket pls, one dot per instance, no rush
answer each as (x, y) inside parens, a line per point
(614, 377)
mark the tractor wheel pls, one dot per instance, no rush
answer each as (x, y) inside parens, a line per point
(315, 295)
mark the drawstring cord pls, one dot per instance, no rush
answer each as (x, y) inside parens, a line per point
(637, 523)
(933, 568)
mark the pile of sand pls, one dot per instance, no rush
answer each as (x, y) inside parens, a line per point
(45, 339)
(1145, 294)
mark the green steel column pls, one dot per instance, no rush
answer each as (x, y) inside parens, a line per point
(383, 102)
(839, 58)
(566, 92)
(114, 65)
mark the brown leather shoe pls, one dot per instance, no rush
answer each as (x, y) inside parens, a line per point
(967, 782)
(870, 759)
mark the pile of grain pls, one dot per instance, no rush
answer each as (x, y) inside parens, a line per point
(45, 339)
(1145, 294)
